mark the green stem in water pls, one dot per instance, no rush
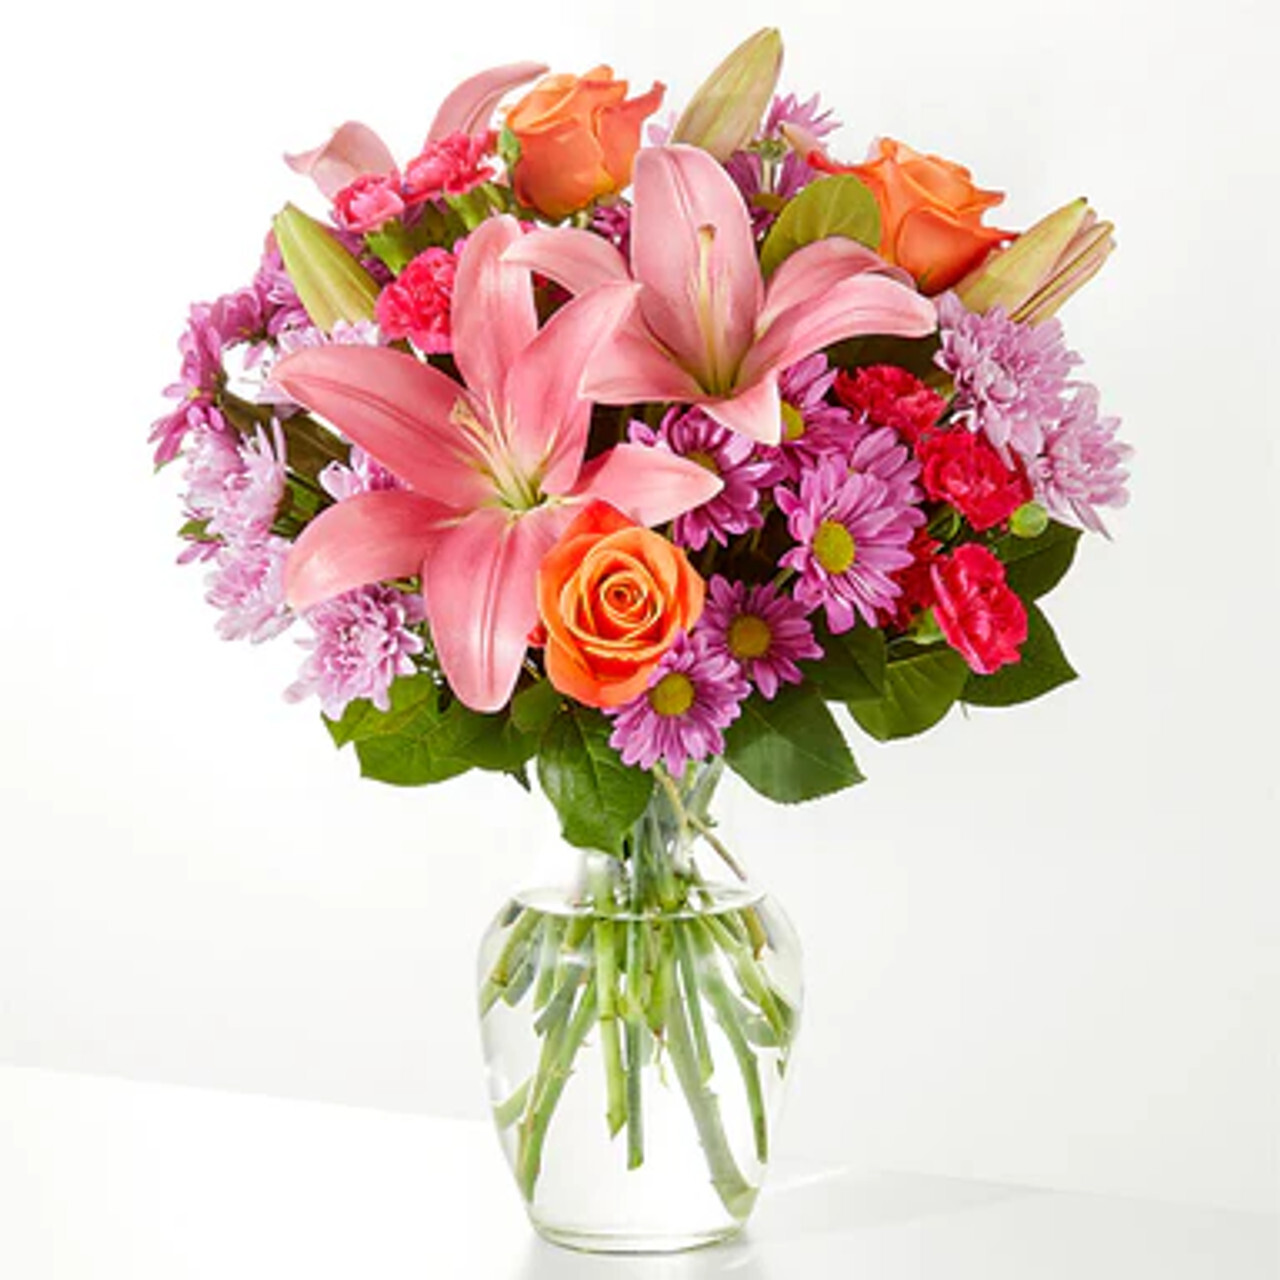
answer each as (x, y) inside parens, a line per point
(693, 999)
(635, 1038)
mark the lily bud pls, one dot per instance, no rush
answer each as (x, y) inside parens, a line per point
(1043, 267)
(724, 114)
(332, 285)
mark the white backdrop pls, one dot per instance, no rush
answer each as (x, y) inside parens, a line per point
(1042, 944)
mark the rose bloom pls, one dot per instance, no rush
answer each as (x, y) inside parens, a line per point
(930, 213)
(416, 304)
(578, 138)
(613, 596)
(962, 468)
(980, 616)
(368, 202)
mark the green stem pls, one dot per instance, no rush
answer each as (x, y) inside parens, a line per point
(635, 1033)
(607, 1015)
(509, 958)
(693, 1001)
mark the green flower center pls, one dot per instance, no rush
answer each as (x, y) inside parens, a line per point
(704, 460)
(672, 695)
(792, 422)
(749, 636)
(833, 547)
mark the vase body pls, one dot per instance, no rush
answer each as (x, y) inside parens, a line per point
(637, 1024)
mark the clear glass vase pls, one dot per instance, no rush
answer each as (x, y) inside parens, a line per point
(637, 1026)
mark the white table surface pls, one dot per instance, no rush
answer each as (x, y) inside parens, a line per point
(103, 1178)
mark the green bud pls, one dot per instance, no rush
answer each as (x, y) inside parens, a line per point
(724, 114)
(330, 282)
(1029, 521)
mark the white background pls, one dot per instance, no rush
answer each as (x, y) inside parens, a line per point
(1042, 944)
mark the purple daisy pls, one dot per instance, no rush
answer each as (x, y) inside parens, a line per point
(852, 537)
(812, 427)
(1010, 378)
(247, 584)
(694, 694)
(362, 640)
(727, 454)
(1081, 467)
(767, 183)
(763, 631)
(808, 116)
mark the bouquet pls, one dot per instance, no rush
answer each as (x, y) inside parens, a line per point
(625, 457)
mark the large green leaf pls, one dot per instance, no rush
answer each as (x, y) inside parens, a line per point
(597, 797)
(790, 749)
(1034, 566)
(919, 691)
(838, 205)
(1041, 667)
(852, 666)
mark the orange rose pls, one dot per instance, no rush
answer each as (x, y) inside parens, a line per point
(577, 139)
(930, 214)
(612, 595)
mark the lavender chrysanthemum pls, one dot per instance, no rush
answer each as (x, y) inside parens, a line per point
(235, 485)
(694, 695)
(1081, 466)
(247, 584)
(763, 631)
(362, 640)
(852, 536)
(363, 474)
(363, 333)
(727, 454)
(1010, 378)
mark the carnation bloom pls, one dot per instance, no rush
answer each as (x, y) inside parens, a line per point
(368, 202)
(964, 469)
(890, 397)
(1082, 465)
(415, 305)
(852, 536)
(362, 640)
(449, 166)
(763, 631)
(724, 453)
(980, 616)
(695, 692)
(247, 584)
(1009, 378)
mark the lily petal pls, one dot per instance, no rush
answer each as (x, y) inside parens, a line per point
(693, 250)
(813, 269)
(550, 418)
(635, 367)
(651, 486)
(353, 150)
(862, 304)
(480, 587)
(576, 260)
(470, 106)
(396, 408)
(493, 312)
(368, 538)
(755, 412)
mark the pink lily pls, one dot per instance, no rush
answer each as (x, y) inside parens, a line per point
(495, 468)
(708, 330)
(355, 150)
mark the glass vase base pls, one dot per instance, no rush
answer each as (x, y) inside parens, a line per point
(633, 1242)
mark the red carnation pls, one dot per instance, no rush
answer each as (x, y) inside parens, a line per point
(890, 397)
(980, 616)
(916, 581)
(415, 305)
(962, 468)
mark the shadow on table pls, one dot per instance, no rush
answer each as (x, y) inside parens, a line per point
(735, 1259)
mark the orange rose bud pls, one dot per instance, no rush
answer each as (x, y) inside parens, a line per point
(613, 596)
(930, 214)
(578, 137)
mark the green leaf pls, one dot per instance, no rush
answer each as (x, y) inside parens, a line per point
(915, 355)
(919, 691)
(534, 708)
(790, 749)
(362, 720)
(1041, 667)
(852, 665)
(492, 742)
(597, 797)
(1034, 566)
(839, 205)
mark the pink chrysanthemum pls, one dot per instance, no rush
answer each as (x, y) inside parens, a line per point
(694, 695)
(852, 537)
(1010, 378)
(363, 474)
(808, 116)
(247, 584)
(235, 485)
(812, 428)
(764, 632)
(362, 640)
(416, 304)
(363, 333)
(727, 454)
(281, 306)
(1081, 466)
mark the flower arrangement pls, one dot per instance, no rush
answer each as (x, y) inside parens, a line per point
(627, 461)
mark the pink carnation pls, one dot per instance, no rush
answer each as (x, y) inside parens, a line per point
(451, 166)
(416, 304)
(368, 202)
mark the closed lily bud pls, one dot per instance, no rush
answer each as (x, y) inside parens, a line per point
(1043, 267)
(330, 282)
(724, 114)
